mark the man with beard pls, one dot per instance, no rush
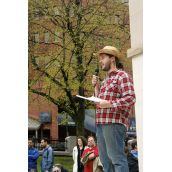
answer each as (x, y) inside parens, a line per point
(47, 156)
(112, 112)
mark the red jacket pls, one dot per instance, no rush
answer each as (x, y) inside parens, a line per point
(89, 166)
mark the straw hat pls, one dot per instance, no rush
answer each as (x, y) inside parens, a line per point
(110, 50)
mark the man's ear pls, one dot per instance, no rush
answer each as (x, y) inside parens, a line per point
(113, 59)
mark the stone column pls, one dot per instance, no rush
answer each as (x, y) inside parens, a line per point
(36, 134)
(136, 53)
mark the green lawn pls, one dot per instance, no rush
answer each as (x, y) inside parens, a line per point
(66, 161)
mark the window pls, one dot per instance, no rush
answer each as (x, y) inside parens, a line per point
(47, 36)
(56, 11)
(37, 13)
(36, 37)
(117, 18)
(56, 39)
(45, 117)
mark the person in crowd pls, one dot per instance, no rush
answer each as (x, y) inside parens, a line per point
(59, 168)
(77, 152)
(89, 156)
(33, 155)
(47, 156)
(132, 157)
(118, 99)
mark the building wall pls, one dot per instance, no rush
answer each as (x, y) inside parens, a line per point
(38, 104)
(42, 49)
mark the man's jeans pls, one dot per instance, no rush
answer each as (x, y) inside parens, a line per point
(110, 139)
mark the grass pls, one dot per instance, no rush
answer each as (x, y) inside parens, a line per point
(65, 161)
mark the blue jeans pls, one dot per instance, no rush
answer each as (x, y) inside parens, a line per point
(110, 141)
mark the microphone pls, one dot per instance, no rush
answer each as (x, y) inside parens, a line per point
(97, 72)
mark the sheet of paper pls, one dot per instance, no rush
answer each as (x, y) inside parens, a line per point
(92, 98)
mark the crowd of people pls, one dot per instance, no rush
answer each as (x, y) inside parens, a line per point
(85, 156)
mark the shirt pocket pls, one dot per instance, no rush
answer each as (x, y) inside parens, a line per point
(109, 90)
(111, 85)
(112, 90)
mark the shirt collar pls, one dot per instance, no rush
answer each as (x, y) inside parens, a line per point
(46, 147)
(114, 72)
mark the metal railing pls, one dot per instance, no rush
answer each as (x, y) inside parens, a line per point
(57, 145)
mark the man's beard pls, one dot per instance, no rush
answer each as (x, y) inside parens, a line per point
(107, 67)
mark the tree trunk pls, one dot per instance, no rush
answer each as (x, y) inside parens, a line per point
(81, 115)
(80, 122)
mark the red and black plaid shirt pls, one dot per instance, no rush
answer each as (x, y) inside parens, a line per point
(118, 88)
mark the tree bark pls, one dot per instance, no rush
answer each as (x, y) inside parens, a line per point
(80, 117)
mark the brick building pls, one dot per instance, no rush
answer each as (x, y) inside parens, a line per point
(44, 114)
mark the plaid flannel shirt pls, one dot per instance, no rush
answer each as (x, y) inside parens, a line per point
(118, 88)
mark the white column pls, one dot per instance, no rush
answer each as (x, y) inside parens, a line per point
(136, 53)
(138, 78)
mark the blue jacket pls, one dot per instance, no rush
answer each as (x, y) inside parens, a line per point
(33, 155)
(47, 159)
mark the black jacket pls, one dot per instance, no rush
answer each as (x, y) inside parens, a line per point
(132, 163)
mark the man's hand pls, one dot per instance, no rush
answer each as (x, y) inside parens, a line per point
(104, 104)
(95, 81)
(96, 84)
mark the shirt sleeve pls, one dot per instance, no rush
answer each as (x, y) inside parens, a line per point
(127, 98)
(49, 158)
(74, 153)
(96, 152)
(35, 155)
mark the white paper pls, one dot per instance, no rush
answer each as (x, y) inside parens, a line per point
(92, 98)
